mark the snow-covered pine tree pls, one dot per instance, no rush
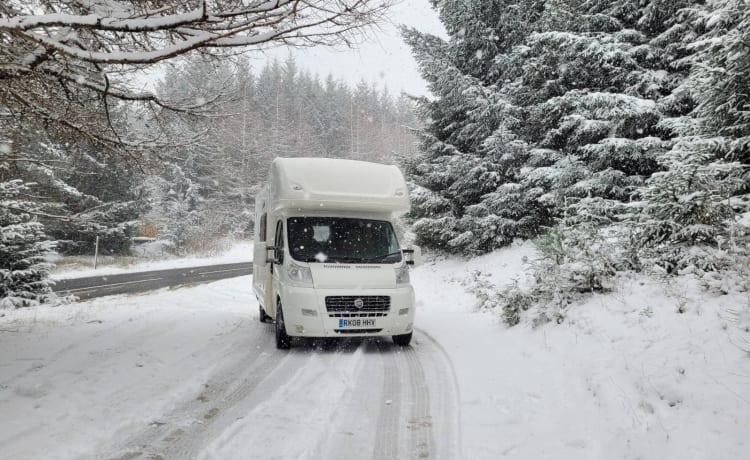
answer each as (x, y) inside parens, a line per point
(101, 196)
(180, 204)
(92, 190)
(23, 246)
(591, 85)
(537, 102)
(468, 147)
(721, 78)
(688, 210)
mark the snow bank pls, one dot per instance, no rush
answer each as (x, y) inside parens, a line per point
(625, 376)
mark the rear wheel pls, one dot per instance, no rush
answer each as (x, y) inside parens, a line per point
(282, 339)
(402, 340)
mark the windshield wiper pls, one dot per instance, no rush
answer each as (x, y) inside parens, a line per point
(348, 260)
(384, 256)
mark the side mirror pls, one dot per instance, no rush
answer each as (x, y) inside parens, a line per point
(277, 257)
(413, 256)
(260, 253)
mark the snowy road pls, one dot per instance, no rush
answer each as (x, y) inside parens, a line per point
(652, 371)
(142, 281)
(191, 373)
(358, 399)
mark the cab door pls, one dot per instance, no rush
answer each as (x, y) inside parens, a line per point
(261, 270)
(277, 264)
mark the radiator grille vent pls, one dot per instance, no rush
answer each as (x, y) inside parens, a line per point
(358, 304)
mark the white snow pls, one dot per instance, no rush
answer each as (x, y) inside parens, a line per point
(73, 378)
(625, 376)
(238, 252)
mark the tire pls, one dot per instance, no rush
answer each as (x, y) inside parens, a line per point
(283, 342)
(402, 340)
(262, 316)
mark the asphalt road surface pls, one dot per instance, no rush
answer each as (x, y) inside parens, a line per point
(129, 283)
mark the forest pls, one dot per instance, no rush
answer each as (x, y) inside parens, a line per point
(615, 134)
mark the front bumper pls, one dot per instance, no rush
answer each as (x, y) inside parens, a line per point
(306, 315)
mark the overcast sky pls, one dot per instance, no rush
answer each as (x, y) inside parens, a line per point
(383, 58)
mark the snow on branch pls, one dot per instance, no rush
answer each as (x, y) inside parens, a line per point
(78, 41)
(125, 35)
(61, 62)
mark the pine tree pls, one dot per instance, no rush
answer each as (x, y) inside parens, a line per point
(721, 79)
(23, 247)
(538, 103)
(459, 162)
(688, 207)
(688, 210)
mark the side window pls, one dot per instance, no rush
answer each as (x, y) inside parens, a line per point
(279, 241)
(262, 230)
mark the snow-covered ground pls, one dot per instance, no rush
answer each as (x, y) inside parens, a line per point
(238, 252)
(191, 373)
(627, 376)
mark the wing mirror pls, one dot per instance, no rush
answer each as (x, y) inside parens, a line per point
(277, 256)
(413, 256)
(261, 253)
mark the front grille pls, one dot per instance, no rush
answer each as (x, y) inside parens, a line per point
(346, 304)
(357, 331)
(357, 315)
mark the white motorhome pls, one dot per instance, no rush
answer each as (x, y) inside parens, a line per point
(327, 262)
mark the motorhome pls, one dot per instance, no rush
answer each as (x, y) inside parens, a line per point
(327, 261)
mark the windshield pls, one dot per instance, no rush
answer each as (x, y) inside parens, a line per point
(345, 240)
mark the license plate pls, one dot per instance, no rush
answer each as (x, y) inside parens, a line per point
(356, 323)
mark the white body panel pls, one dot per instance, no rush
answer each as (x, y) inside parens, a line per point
(340, 189)
(337, 185)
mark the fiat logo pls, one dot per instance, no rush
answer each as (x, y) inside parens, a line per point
(359, 303)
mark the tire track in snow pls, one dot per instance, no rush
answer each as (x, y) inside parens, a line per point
(224, 410)
(386, 446)
(301, 402)
(182, 431)
(405, 426)
(352, 425)
(442, 381)
(317, 403)
(419, 421)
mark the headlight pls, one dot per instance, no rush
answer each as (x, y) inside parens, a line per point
(298, 274)
(402, 274)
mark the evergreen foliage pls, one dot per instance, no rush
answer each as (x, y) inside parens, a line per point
(619, 130)
(23, 247)
(85, 193)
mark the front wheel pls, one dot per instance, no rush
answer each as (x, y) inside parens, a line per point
(282, 339)
(262, 316)
(402, 340)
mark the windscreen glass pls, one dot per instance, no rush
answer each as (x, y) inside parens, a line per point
(343, 240)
